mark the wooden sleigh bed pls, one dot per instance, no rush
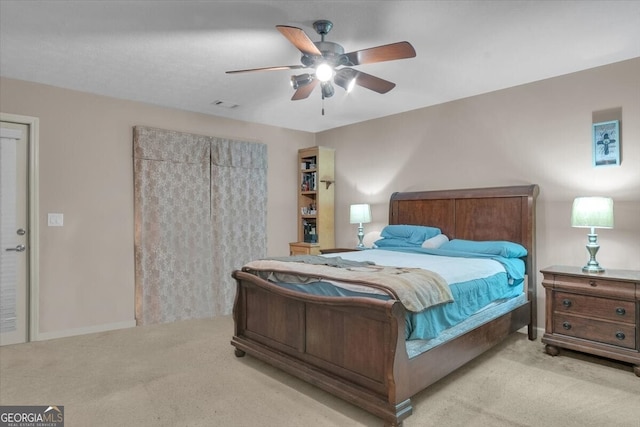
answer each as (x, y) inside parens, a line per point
(355, 348)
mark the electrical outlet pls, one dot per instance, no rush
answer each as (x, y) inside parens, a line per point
(55, 220)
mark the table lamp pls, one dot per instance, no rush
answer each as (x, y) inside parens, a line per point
(360, 214)
(592, 212)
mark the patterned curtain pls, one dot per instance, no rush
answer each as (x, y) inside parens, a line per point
(182, 269)
(238, 210)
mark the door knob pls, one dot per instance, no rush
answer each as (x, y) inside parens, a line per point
(19, 248)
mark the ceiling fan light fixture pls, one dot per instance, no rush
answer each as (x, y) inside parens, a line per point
(346, 79)
(324, 72)
(301, 80)
(351, 85)
(327, 89)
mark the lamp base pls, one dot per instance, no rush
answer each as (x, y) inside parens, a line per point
(592, 269)
(592, 266)
(360, 236)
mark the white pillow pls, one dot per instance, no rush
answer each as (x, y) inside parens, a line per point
(435, 242)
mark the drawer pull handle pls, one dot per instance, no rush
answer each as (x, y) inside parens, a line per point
(620, 311)
(620, 335)
(566, 325)
(566, 303)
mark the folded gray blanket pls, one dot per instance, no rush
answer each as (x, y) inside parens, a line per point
(418, 289)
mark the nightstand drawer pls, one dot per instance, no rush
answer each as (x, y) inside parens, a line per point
(596, 286)
(591, 306)
(619, 334)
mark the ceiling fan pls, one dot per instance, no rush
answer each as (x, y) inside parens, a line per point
(328, 61)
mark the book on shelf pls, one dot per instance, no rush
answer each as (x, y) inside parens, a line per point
(309, 181)
(309, 163)
(310, 235)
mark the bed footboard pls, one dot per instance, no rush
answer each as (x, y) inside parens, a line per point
(350, 347)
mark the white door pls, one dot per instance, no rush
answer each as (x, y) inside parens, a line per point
(14, 232)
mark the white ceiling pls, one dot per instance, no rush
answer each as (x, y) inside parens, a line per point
(175, 53)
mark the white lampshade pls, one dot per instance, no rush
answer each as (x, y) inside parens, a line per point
(360, 214)
(596, 212)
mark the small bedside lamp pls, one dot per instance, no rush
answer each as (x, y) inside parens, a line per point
(360, 214)
(592, 212)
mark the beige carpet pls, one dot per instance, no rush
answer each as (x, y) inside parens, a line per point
(185, 374)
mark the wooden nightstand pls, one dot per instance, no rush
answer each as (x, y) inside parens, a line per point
(303, 248)
(593, 313)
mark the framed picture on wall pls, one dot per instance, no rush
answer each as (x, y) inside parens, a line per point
(606, 143)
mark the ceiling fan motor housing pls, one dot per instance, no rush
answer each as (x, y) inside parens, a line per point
(332, 54)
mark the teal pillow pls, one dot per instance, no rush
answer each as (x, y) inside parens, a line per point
(391, 242)
(496, 247)
(415, 234)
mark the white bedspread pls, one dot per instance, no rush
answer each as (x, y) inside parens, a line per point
(452, 269)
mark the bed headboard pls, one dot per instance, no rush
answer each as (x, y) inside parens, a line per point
(497, 213)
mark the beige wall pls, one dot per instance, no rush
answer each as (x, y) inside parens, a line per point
(538, 133)
(86, 173)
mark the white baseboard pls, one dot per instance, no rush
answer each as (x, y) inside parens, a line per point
(82, 331)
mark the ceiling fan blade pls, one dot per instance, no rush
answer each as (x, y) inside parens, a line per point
(304, 91)
(281, 67)
(389, 52)
(299, 39)
(373, 83)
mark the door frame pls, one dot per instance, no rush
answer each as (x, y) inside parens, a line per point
(33, 330)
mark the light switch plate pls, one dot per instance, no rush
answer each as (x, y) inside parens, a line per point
(55, 220)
